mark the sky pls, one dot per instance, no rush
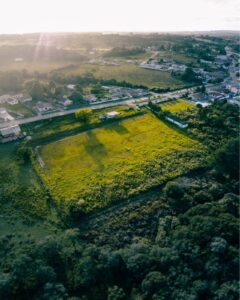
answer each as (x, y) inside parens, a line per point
(20, 16)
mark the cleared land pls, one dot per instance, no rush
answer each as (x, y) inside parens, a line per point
(176, 106)
(130, 73)
(113, 162)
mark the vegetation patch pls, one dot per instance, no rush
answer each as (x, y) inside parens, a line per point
(130, 73)
(176, 106)
(116, 161)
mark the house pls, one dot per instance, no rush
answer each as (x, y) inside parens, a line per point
(181, 125)
(15, 99)
(214, 95)
(109, 115)
(12, 101)
(198, 97)
(71, 86)
(4, 115)
(233, 88)
(67, 102)
(4, 98)
(26, 98)
(90, 98)
(10, 133)
(43, 107)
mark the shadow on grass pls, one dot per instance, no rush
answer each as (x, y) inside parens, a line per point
(95, 149)
(118, 127)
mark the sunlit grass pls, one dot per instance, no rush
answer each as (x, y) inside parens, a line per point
(113, 162)
(176, 106)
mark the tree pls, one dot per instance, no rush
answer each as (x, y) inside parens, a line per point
(52, 88)
(153, 282)
(36, 90)
(76, 96)
(116, 293)
(173, 190)
(227, 158)
(83, 115)
(190, 76)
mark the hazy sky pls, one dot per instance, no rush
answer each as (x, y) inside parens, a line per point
(18, 16)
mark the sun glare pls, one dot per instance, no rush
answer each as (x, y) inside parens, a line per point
(124, 15)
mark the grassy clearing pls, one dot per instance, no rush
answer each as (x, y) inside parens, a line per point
(111, 163)
(18, 109)
(130, 73)
(179, 57)
(176, 106)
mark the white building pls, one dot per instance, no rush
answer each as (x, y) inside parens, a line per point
(71, 86)
(4, 115)
(181, 125)
(10, 133)
(109, 115)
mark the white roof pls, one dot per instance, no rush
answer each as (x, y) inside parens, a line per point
(112, 113)
(10, 130)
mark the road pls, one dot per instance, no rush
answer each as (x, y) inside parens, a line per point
(62, 113)
(156, 97)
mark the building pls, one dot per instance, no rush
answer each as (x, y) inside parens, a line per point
(15, 99)
(5, 116)
(67, 102)
(181, 125)
(10, 133)
(4, 98)
(26, 98)
(42, 107)
(90, 98)
(198, 97)
(71, 86)
(109, 115)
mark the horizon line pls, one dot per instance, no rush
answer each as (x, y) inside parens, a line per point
(120, 31)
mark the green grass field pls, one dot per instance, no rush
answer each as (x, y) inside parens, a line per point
(176, 106)
(120, 159)
(18, 109)
(130, 73)
(179, 57)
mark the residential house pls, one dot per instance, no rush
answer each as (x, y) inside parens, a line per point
(4, 115)
(42, 107)
(10, 133)
(90, 98)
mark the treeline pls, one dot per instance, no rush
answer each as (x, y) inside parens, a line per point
(125, 52)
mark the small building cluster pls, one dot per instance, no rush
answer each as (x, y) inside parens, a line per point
(15, 99)
(115, 93)
(43, 107)
(167, 65)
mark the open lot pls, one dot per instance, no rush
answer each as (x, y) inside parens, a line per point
(130, 73)
(176, 106)
(117, 160)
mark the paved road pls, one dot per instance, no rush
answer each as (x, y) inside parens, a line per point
(143, 100)
(62, 113)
